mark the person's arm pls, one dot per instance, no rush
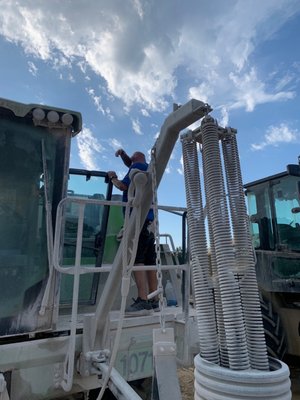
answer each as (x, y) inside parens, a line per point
(125, 157)
(115, 181)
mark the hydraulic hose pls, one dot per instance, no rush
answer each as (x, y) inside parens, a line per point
(245, 261)
(199, 258)
(221, 237)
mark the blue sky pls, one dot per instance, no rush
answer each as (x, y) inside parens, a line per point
(123, 63)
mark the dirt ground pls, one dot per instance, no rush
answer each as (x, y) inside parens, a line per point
(186, 382)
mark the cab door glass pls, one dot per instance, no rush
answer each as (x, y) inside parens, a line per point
(287, 209)
(260, 216)
(84, 187)
(101, 224)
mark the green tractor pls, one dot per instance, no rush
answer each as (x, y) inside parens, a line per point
(274, 212)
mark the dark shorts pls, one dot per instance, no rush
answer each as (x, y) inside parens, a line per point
(146, 248)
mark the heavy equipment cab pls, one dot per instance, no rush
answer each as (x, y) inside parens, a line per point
(274, 213)
(58, 228)
(34, 154)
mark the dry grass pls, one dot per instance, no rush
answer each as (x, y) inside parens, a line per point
(186, 381)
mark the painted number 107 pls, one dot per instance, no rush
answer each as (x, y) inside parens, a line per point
(136, 363)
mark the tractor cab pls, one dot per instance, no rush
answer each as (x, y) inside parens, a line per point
(274, 212)
(34, 154)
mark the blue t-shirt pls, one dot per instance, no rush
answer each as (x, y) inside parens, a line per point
(126, 180)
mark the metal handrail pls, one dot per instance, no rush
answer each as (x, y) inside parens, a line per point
(78, 270)
(82, 203)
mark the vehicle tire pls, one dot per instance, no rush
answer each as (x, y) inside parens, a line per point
(274, 332)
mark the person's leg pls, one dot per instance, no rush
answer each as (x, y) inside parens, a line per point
(150, 259)
(141, 276)
(141, 283)
(152, 281)
(140, 306)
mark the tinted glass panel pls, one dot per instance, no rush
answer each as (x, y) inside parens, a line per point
(259, 207)
(99, 244)
(287, 209)
(27, 156)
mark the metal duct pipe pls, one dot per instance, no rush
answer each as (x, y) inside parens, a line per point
(245, 263)
(221, 237)
(213, 382)
(204, 300)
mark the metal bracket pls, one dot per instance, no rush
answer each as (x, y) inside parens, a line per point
(87, 363)
(163, 342)
(165, 366)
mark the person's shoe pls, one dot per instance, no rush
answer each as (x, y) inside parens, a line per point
(139, 307)
(154, 305)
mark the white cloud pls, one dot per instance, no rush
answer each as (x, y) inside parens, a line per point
(284, 81)
(204, 92)
(225, 117)
(109, 114)
(18, 25)
(251, 91)
(89, 148)
(276, 135)
(145, 112)
(96, 100)
(115, 144)
(71, 78)
(180, 169)
(140, 54)
(32, 68)
(139, 8)
(83, 66)
(59, 61)
(281, 133)
(136, 126)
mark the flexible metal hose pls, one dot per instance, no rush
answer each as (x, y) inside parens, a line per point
(221, 238)
(224, 361)
(217, 383)
(217, 296)
(199, 258)
(245, 261)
